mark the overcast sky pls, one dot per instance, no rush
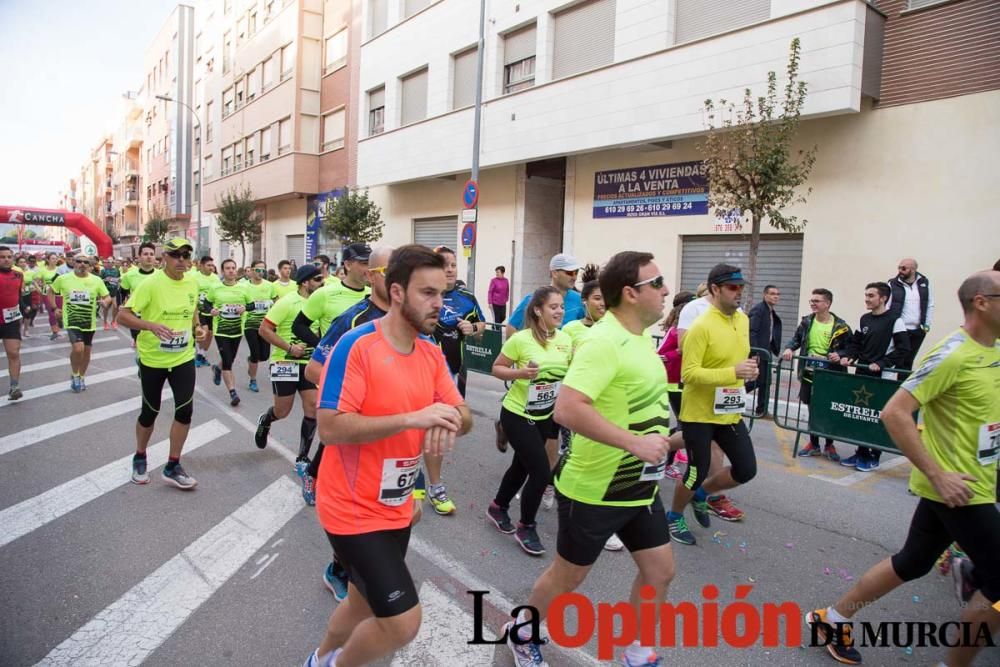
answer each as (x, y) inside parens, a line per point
(64, 65)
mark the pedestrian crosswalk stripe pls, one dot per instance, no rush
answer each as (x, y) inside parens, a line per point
(33, 513)
(27, 437)
(62, 345)
(131, 628)
(61, 387)
(56, 363)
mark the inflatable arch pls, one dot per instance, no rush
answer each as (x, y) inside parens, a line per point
(77, 223)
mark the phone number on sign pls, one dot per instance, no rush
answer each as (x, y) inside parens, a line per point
(650, 208)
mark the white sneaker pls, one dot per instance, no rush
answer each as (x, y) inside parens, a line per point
(613, 543)
(549, 497)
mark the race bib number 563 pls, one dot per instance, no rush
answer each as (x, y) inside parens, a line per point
(398, 479)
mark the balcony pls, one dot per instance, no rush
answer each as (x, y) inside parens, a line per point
(276, 178)
(131, 198)
(643, 99)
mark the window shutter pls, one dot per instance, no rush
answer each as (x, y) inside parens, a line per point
(701, 18)
(584, 38)
(464, 82)
(414, 97)
(519, 44)
(434, 232)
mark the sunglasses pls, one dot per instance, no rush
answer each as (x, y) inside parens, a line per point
(732, 288)
(83, 261)
(317, 279)
(179, 254)
(260, 271)
(656, 283)
(379, 269)
(572, 274)
(318, 265)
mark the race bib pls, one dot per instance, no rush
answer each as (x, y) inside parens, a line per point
(398, 479)
(542, 396)
(730, 400)
(284, 371)
(262, 306)
(988, 451)
(178, 343)
(652, 472)
(112, 280)
(79, 298)
(230, 311)
(12, 314)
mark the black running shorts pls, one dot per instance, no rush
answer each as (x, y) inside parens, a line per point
(584, 528)
(376, 565)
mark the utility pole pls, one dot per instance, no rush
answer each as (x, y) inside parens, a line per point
(470, 278)
(201, 172)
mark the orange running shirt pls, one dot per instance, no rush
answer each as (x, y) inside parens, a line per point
(364, 488)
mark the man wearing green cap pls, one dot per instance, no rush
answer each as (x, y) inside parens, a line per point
(168, 329)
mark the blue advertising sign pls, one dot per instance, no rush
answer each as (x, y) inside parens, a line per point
(315, 206)
(646, 192)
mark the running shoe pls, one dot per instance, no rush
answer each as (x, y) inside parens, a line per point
(199, 361)
(961, 574)
(313, 659)
(830, 452)
(139, 474)
(867, 464)
(440, 501)
(54, 336)
(501, 437)
(107, 327)
(527, 537)
(335, 579)
(673, 472)
(309, 489)
(701, 513)
(810, 450)
(850, 461)
(841, 646)
(500, 518)
(549, 497)
(114, 324)
(253, 385)
(74, 385)
(652, 660)
(216, 375)
(234, 398)
(613, 543)
(15, 393)
(260, 435)
(179, 478)
(679, 531)
(83, 384)
(302, 467)
(724, 508)
(528, 654)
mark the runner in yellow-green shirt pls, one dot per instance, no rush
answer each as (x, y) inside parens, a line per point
(956, 388)
(284, 284)
(262, 296)
(48, 272)
(80, 291)
(227, 303)
(135, 276)
(328, 302)
(207, 279)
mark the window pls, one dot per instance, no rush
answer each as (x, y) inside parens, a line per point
(208, 122)
(584, 38)
(253, 83)
(227, 5)
(238, 88)
(697, 18)
(268, 10)
(284, 136)
(411, 7)
(226, 160)
(197, 187)
(414, 102)
(463, 91)
(287, 60)
(920, 4)
(251, 145)
(252, 23)
(333, 130)
(268, 75)
(519, 59)
(227, 102)
(238, 155)
(207, 162)
(376, 111)
(226, 48)
(378, 13)
(336, 50)
(241, 30)
(265, 144)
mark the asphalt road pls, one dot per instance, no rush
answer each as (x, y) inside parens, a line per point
(96, 570)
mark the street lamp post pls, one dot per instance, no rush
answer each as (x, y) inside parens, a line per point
(201, 171)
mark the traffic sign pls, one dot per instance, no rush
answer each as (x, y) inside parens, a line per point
(470, 194)
(468, 235)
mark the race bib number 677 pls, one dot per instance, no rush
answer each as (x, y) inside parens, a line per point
(398, 478)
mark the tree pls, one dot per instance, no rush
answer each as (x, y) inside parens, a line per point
(157, 226)
(748, 158)
(238, 219)
(353, 217)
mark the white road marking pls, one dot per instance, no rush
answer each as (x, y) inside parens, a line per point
(63, 344)
(15, 441)
(131, 628)
(444, 635)
(855, 477)
(55, 363)
(276, 445)
(63, 387)
(264, 566)
(33, 513)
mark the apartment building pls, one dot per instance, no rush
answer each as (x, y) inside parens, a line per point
(587, 99)
(274, 94)
(128, 217)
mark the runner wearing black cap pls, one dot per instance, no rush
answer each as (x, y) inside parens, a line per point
(328, 302)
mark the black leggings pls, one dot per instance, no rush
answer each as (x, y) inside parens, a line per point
(934, 526)
(227, 350)
(181, 379)
(260, 349)
(733, 439)
(531, 463)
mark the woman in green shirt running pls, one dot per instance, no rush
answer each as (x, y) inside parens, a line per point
(535, 359)
(227, 302)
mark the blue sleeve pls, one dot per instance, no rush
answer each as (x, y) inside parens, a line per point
(516, 318)
(329, 340)
(574, 307)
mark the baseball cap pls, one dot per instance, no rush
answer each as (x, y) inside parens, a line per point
(564, 262)
(178, 243)
(357, 251)
(306, 273)
(725, 273)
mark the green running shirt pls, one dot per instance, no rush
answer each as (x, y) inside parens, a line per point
(170, 302)
(80, 296)
(227, 299)
(536, 399)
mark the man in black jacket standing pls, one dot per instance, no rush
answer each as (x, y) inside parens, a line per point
(765, 325)
(911, 300)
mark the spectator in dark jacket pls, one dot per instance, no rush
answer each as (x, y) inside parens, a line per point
(765, 325)
(823, 337)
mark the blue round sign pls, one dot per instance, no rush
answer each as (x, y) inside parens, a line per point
(470, 194)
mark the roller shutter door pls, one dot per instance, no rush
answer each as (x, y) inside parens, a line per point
(295, 248)
(779, 263)
(433, 232)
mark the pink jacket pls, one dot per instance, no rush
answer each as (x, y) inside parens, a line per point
(671, 356)
(499, 291)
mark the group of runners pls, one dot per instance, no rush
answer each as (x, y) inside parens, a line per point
(375, 357)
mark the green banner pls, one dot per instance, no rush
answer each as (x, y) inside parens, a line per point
(847, 407)
(481, 352)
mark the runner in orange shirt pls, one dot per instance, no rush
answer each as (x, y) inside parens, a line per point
(375, 428)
